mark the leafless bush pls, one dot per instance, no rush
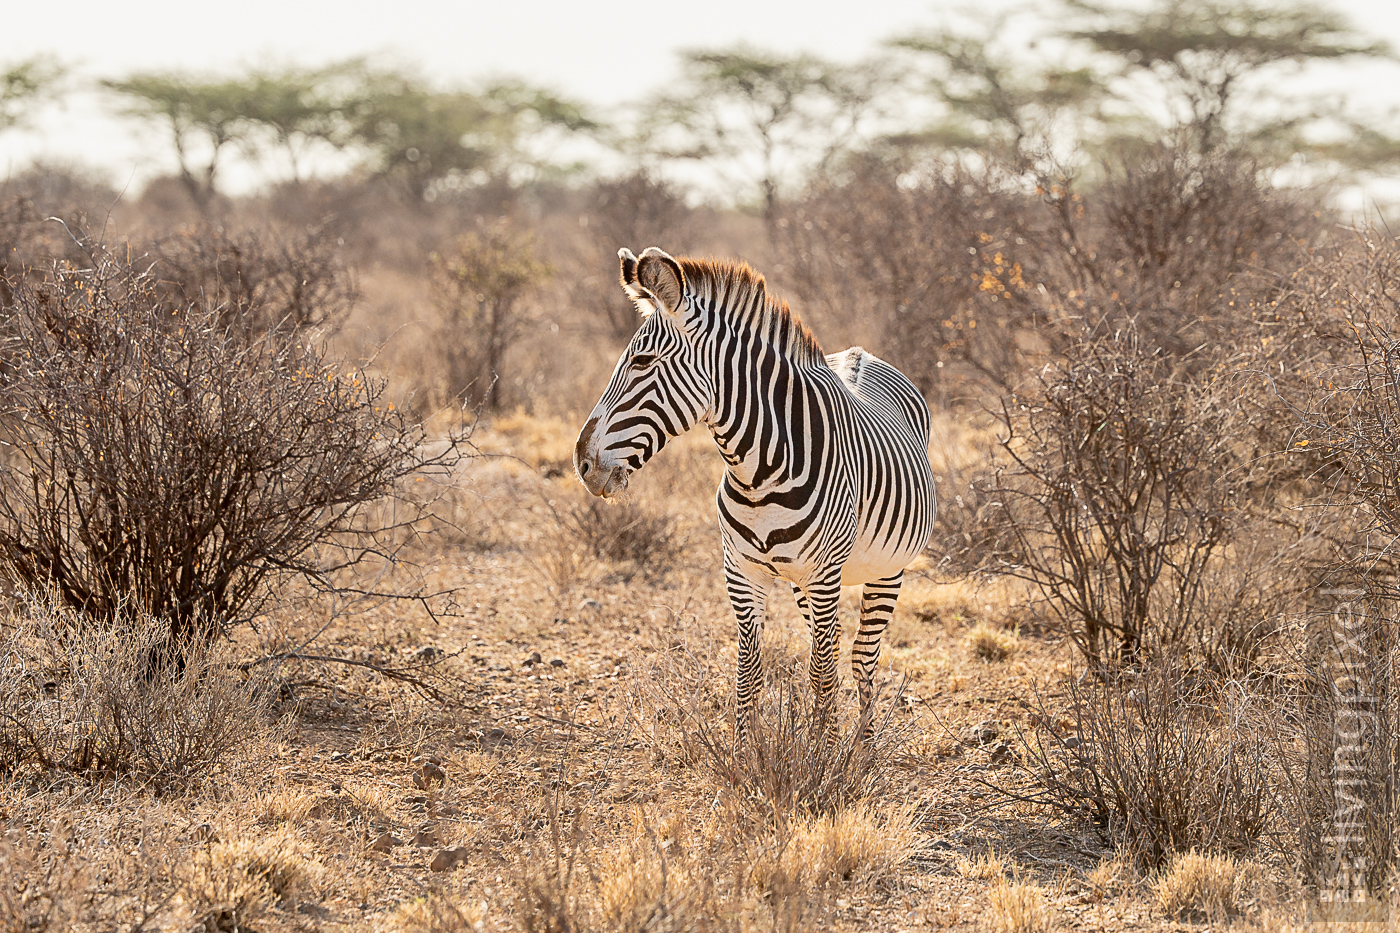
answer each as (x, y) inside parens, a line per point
(74, 698)
(634, 533)
(794, 764)
(479, 284)
(935, 258)
(636, 211)
(35, 205)
(1157, 764)
(157, 464)
(256, 282)
(1125, 505)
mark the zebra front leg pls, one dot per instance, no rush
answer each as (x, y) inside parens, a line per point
(821, 601)
(877, 600)
(748, 597)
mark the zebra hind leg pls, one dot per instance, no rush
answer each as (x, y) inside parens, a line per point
(877, 600)
(748, 599)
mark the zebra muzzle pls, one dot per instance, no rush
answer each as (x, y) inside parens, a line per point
(600, 480)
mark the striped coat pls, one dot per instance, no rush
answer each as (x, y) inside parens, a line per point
(827, 480)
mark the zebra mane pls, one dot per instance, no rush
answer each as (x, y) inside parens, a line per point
(736, 291)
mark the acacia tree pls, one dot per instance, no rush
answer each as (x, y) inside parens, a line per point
(762, 114)
(994, 100)
(425, 137)
(202, 117)
(297, 111)
(23, 85)
(1207, 58)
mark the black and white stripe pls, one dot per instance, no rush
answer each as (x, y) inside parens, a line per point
(827, 480)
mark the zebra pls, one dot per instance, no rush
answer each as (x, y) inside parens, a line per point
(827, 481)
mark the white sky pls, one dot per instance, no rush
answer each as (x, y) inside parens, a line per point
(601, 53)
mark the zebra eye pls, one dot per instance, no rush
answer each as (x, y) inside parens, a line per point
(642, 361)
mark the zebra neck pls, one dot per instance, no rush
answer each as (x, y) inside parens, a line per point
(763, 419)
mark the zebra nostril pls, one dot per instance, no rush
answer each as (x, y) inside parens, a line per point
(583, 468)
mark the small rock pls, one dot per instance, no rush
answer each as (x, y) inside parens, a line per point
(384, 843)
(426, 837)
(427, 653)
(495, 735)
(1001, 753)
(533, 659)
(428, 773)
(1072, 742)
(557, 662)
(448, 858)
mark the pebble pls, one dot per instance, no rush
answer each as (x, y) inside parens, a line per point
(448, 858)
(384, 843)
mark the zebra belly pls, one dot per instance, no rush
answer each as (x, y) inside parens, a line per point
(870, 562)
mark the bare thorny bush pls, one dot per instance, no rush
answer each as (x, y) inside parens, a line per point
(1157, 763)
(160, 463)
(1345, 781)
(480, 284)
(1126, 503)
(257, 282)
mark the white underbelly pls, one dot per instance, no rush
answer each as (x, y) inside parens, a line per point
(869, 562)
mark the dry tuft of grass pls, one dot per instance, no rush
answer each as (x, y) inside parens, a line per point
(982, 868)
(1105, 878)
(991, 643)
(1200, 886)
(854, 844)
(1019, 907)
(78, 699)
(231, 884)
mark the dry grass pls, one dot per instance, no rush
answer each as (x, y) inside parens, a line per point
(1019, 907)
(989, 643)
(1198, 886)
(235, 883)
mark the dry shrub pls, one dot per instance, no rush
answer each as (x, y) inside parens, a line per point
(159, 464)
(928, 263)
(1189, 241)
(632, 532)
(41, 891)
(100, 873)
(1126, 505)
(636, 211)
(1019, 907)
(81, 699)
(795, 764)
(1157, 764)
(479, 285)
(1197, 886)
(257, 282)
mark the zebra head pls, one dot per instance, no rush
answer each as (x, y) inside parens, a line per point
(658, 389)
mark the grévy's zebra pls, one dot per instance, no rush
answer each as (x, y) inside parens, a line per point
(827, 480)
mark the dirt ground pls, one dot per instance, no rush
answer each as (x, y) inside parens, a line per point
(564, 785)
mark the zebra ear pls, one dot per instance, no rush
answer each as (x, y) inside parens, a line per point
(629, 266)
(661, 275)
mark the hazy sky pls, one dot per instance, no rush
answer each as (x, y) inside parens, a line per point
(601, 53)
